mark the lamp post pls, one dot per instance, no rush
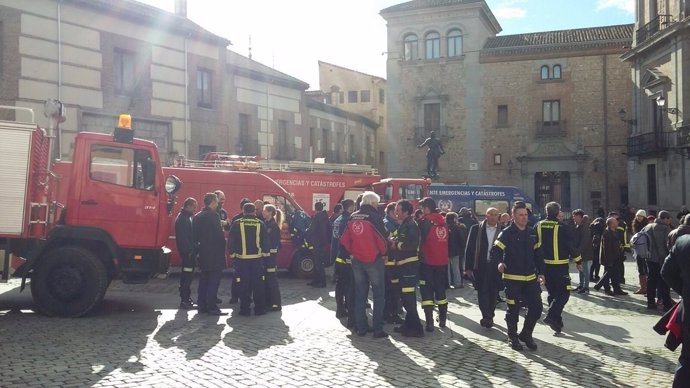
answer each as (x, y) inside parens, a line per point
(661, 102)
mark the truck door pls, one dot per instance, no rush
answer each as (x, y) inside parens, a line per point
(119, 195)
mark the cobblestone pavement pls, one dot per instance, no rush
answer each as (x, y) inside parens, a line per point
(137, 337)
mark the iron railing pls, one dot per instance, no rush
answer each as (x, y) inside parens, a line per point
(648, 30)
(651, 142)
(550, 129)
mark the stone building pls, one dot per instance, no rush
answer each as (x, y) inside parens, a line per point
(538, 111)
(660, 139)
(359, 93)
(184, 89)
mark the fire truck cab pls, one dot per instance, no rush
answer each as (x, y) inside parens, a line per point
(73, 227)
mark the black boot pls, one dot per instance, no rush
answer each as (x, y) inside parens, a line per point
(442, 315)
(429, 316)
(526, 335)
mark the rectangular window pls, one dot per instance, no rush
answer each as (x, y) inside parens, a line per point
(365, 96)
(381, 121)
(432, 117)
(497, 160)
(243, 141)
(124, 70)
(351, 148)
(341, 97)
(203, 88)
(325, 149)
(552, 112)
(502, 118)
(352, 96)
(283, 151)
(122, 167)
(651, 184)
(205, 150)
(382, 96)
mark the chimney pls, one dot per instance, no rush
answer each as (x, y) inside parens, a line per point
(181, 8)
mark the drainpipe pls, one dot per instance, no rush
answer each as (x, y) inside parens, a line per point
(604, 104)
(186, 99)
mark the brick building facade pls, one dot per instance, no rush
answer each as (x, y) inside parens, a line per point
(538, 111)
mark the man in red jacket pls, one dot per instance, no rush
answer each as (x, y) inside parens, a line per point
(365, 239)
(433, 270)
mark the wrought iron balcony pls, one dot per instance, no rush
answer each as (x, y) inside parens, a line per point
(683, 134)
(657, 24)
(550, 129)
(651, 142)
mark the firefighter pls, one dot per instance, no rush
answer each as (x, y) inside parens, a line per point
(390, 311)
(273, 218)
(234, 287)
(249, 246)
(210, 240)
(404, 248)
(558, 246)
(344, 290)
(184, 238)
(319, 235)
(433, 275)
(520, 261)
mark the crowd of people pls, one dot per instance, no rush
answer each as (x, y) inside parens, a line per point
(407, 249)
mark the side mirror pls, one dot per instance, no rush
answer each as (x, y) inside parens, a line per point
(149, 171)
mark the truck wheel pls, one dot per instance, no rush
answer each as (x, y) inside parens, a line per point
(303, 264)
(68, 282)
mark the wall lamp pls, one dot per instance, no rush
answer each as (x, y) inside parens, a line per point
(661, 102)
(622, 114)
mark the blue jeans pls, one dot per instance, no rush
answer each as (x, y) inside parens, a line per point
(364, 275)
(584, 274)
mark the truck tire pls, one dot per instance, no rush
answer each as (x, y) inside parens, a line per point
(303, 264)
(68, 282)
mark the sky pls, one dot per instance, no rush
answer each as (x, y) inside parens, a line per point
(293, 35)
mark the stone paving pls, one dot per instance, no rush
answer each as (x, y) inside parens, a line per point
(138, 338)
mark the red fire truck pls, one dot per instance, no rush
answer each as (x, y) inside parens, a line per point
(329, 183)
(72, 227)
(237, 185)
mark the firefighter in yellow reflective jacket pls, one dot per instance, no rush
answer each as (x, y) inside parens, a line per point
(249, 245)
(557, 243)
(521, 262)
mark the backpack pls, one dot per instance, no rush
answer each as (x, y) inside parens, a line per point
(640, 245)
(298, 225)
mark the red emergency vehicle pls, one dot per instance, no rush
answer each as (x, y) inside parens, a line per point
(237, 185)
(72, 227)
(329, 183)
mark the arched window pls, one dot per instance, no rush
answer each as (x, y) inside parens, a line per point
(454, 43)
(544, 72)
(411, 47)
(433, 45)
(556, 71)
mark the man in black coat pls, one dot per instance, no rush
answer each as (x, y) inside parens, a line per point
(676, 273)
(186, 247)
(479, 268)
(210, 239)
(319, 235)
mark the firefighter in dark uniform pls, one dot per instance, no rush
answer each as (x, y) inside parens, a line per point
(234, 287)
(558, 247)
(390, 311)
(210, 240)
(622, 232)
(404, 249)
(433, 270)
(273, 219)
(520, 261)
(249, 246)
(344, 290)
(184, 239)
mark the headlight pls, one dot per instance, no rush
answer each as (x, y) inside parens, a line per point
(172, 184)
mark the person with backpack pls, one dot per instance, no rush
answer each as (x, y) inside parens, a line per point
(433, 273)
(638, 224)
(658, 234)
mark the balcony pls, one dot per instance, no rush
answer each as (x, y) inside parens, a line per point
(651, 142)
(683, 134)
(648, 30)
(550, 129)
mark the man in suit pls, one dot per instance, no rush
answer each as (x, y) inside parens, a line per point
(478, 267)
(209, 237)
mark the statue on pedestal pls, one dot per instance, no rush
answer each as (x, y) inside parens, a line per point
(434, 152)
